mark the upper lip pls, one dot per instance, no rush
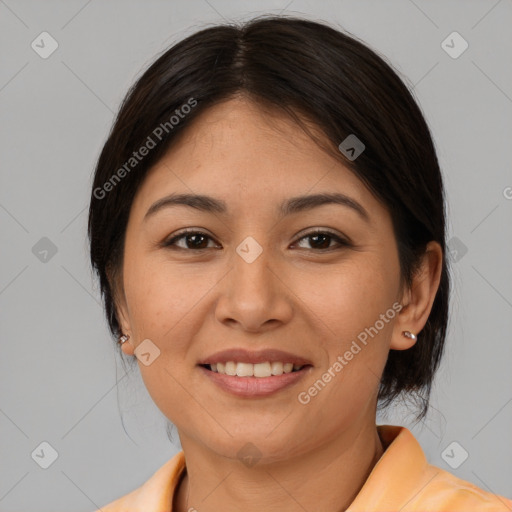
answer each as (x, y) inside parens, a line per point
(241, 355)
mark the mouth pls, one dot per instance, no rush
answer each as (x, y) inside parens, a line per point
(260, 380)
(251, 374)
(257, 370)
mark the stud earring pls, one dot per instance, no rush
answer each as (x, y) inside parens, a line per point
(123, 338)
(409, 335)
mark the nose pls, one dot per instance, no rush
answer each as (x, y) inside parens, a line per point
(254, 295)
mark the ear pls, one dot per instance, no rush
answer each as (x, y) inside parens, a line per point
(122, 314)
(418, 299)
(121, 310)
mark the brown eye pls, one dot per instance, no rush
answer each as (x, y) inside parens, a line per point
(197, 240)
(192, 240)
(321, 240)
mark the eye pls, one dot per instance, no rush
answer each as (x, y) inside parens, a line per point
(194, 240)
(320, 239)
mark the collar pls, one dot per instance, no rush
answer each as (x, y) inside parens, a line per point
(394, 480)
(401, 478)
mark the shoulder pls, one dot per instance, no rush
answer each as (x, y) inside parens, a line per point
(403, 480)
(156, 494)
(445, 492)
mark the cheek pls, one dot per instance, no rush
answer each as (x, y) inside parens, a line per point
(167, 304)
(348, 305)
(161, 294)
(160, 300)
(349, 297)
(348, 308)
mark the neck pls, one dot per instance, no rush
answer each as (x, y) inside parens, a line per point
(326, 478)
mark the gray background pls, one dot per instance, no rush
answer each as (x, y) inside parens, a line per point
(61, 380)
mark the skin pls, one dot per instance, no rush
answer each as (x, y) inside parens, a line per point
(296, 296)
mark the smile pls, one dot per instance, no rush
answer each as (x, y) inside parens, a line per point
(248, 380)
(258, 370)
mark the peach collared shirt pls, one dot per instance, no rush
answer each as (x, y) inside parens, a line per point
(402, 480)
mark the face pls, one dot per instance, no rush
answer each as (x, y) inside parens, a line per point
(312, 280)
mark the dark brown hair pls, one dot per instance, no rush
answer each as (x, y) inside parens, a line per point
(307, 70)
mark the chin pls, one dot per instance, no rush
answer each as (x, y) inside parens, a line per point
(257, 447)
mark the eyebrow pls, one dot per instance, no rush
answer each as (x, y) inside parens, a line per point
(290, 206)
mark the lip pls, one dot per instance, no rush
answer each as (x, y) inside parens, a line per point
(254, 387)
(240, 355)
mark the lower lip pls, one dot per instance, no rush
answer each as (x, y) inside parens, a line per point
(252, 387)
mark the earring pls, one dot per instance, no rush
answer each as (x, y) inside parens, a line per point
(409, 335)
(123, 338)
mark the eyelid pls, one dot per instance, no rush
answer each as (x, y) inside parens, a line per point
(171, 240)
(319, 230)
(342, 240)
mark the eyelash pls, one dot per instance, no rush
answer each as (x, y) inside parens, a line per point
(171, 243)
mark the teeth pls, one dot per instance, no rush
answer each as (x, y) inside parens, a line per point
(230, 368)
(266, 369)
(262, 370)
(276, 368)
(244, 369)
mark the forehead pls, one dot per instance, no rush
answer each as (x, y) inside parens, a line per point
(249, 156)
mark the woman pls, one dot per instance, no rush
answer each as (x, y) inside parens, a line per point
(267, 223)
